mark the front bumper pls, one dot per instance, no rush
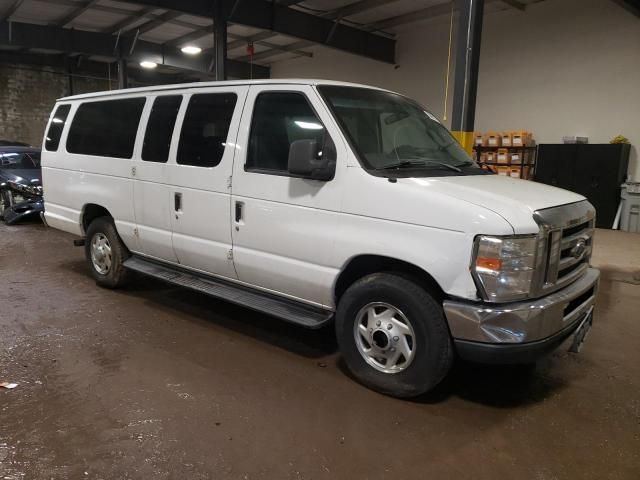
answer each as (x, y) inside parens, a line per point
(23, 210)
(520, 331)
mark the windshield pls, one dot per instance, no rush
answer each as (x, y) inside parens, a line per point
(389, 131)
(19, 160)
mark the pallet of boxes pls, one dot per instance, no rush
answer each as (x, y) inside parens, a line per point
(510, 153)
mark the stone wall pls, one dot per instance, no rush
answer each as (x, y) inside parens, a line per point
(27, 95)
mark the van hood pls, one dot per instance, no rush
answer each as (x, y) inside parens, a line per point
(513, 199)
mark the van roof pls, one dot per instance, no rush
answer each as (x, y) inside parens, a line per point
(272, 81)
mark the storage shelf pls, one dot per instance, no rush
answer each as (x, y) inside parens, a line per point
(509, 164)
(482, 147)
(527, 158)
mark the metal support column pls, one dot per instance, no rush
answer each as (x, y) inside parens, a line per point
(220, 40)
(122, 73)
(468, 40)
(69, 69)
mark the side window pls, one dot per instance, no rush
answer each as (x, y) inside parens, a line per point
(204, 129)
(52, 139)
(106, 128)
(279, 119)
(162, 119)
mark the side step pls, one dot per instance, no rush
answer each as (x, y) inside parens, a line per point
(288, 310)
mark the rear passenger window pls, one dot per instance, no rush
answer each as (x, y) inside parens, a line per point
(107, 128)
(279, 119)
(157, 138)
(204, 129)
(52, 140)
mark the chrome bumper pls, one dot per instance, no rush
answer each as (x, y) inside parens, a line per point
(523, 322)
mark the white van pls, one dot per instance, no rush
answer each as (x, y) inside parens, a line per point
(315, 201)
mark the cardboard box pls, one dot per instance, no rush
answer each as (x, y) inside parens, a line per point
(514, 172)
(520, 138)
(506, 139)
(494, 139)
(502, 156)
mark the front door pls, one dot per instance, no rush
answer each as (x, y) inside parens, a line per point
(284, 227)
(199, 175)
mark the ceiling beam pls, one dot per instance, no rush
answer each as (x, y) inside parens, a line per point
(292, 48)
(422, 14)
(125, 23)
(76, 13)
(155, 23)
(90, 69)
(242, 41)
(355, 8)
(336, 14)
(73, 41)
(516, 4)
(11, 10)
(409, 17)
(288, 21)
(191, 36)
(253, 38)
(632, 6)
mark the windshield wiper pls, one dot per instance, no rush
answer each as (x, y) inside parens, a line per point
(404, 164)
(420, 163)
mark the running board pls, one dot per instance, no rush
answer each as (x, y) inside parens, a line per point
(288, 310)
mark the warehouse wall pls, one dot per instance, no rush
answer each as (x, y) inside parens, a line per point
(27, 95)
(562, 67)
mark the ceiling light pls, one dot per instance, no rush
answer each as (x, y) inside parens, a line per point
(191, 50)
(148, 64)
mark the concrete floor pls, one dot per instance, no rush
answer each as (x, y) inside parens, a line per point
(154, 382)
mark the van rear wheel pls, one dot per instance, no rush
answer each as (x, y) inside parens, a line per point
(105, 253)
(393, 335)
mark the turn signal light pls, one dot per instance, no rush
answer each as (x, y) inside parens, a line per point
(489, 263)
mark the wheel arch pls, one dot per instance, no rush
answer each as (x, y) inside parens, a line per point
(366, 264)
(90, 212)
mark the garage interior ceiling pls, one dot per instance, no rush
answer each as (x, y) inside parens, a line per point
(102, 30)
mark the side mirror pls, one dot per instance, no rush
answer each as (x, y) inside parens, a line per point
(306, 160)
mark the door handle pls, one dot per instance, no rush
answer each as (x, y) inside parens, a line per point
(177, 201)
(239, 208)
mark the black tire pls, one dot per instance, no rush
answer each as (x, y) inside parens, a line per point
(116, 275)
(433, 351)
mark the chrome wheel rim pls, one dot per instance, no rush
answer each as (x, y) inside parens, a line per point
(384, 337)
(101, 253)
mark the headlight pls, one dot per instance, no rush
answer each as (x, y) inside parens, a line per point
(26, 189)
(504, 267)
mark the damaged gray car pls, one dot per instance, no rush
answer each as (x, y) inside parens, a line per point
(20, 183)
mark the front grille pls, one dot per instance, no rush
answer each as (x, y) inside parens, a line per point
(568, 237)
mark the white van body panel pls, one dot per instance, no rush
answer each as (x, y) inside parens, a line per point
(295, 235)
(290, 225)
(151, 199)
(202, 227)
(75, 180)
(513, 199)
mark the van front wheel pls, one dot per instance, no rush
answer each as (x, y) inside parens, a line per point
(393, 335)
(105, 253)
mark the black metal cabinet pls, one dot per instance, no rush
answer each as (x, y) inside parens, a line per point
(595, 171)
